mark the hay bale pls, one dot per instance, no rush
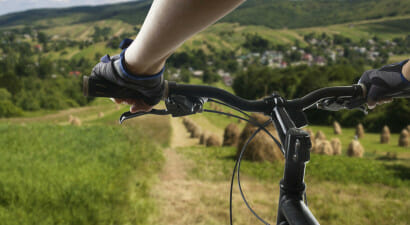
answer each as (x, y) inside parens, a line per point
(262, 147)
(196, 132)
(315, 143)
(323, 147)
(385, 135)
(186, 121)
(231, 135)
(101, 114)
(320, 135)
(213, 140)
(404, 138)
(337, 129)
(190, 125)
(203, 138)
(408, 128)
(76, 121)
(261, 119)
(336, 146)
(355, 149)
(359, 131)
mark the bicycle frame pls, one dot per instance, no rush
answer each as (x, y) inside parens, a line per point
(292, 210)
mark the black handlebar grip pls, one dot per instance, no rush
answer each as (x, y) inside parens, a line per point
(95, 86)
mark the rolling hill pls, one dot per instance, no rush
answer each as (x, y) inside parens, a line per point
(270, 13)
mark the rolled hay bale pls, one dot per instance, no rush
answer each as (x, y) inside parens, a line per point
(262, 147)
(76, 121)
(337, 129)
(231, 135)
(70, 119)
(213, 140)
(355, 149)
(359, 131)
(404, 138)
(336, 146)
(385, 135)
(320, 135)
(196, 132)
(101, 114)
(204, 136)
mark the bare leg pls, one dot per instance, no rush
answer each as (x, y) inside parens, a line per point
(168, 24)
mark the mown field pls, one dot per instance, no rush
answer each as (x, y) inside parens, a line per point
(341, 190)
(97, 173)
(102, 173)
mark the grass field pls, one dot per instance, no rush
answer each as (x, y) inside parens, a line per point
(103, 173)
(341, 190)
(93, 174)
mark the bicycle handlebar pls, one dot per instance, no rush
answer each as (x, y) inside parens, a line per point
(99, 87)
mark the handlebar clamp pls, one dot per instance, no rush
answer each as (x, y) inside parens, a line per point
(178, 105)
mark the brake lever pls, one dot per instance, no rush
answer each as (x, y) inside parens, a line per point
(175, 105)
(340, 103)
(129, 115)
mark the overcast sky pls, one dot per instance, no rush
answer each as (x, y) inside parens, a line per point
(7, 6)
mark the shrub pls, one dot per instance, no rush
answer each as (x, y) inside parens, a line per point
(8, 109)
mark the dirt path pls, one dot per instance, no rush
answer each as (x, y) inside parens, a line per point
(180, 136)
(182, 199)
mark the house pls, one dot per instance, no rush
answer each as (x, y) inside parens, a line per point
(38, 48)
(307, 57)
(320, 61)
(283, 64)
(76, 73)
(197, 73)
(228, 80)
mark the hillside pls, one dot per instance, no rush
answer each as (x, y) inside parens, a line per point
(269, 13)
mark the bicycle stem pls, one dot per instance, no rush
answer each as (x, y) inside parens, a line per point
(297, 144)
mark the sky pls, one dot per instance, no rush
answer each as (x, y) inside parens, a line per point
(8, 6)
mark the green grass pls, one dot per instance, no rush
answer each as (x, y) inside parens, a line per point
(341, 190)
(217, 164)
(94, 174)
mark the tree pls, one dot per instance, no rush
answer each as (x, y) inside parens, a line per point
(256, 43)
(185, 75)
(210, 76)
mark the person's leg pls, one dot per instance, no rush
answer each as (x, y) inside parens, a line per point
(168, 24)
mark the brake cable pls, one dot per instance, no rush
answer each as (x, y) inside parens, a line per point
(238, 162)
(238, 166)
